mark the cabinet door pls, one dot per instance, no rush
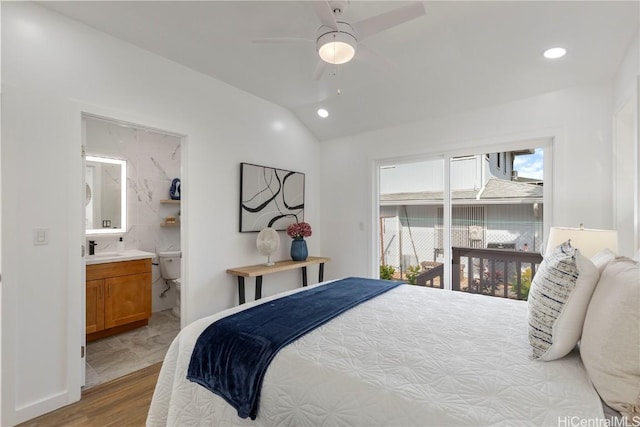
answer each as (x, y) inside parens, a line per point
(128, 299)
(95, 306)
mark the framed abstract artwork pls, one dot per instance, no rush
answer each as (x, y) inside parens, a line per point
(270, 197)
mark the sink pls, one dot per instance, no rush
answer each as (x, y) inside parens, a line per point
(128, 255)
(106, 255)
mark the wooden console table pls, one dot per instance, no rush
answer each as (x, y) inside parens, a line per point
(260, 270)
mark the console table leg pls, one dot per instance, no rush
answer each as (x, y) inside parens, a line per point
(241, 299)
(321, 272)
(304, 276)
(258, 287)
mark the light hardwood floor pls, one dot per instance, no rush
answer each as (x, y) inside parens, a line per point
(121, 402)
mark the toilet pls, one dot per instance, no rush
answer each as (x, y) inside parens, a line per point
(170, 272)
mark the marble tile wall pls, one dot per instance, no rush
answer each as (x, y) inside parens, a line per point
(153, 161)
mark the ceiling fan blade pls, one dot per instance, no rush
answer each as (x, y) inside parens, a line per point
(320, 67)
(324, 12)
(376, 24)
(369, 56)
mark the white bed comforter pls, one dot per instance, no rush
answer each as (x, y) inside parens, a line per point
(413, 356)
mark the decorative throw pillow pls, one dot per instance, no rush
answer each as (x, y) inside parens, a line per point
(558, 300)
(602, 258)
(610, 346)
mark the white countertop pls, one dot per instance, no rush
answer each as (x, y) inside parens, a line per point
(127, 255)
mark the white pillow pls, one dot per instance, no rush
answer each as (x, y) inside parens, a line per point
(636, 257)
(558, 300)
(610, 346)
(602, 258)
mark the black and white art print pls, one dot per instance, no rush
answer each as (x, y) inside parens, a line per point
(270, 197)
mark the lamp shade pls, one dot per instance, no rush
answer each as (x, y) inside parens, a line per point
(588, 241)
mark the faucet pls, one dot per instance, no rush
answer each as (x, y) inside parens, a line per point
(92, 247)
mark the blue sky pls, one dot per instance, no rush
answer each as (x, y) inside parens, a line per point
(529, 166)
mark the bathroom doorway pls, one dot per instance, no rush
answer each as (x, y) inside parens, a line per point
(153, 224)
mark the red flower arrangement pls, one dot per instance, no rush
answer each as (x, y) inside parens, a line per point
(299, 230)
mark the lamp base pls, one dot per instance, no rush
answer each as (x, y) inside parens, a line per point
(269, 263)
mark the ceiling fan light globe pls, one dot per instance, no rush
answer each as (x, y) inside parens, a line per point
(336, 47)
(336, 53)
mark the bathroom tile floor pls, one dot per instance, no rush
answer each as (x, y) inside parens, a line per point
(115, 356)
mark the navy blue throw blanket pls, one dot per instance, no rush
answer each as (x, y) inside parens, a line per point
(232, 355)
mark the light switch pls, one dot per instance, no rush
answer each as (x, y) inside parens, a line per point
(40, 236)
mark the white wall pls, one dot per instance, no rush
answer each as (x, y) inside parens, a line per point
(626, 155)
(53, 69)
(625, 80)
(579, 119)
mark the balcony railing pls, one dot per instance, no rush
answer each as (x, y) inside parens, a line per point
(496, 272)
(432, 275)
(502, 273)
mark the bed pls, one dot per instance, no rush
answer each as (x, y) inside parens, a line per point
(413, 356)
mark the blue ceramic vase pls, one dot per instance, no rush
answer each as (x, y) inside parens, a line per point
(299, 251)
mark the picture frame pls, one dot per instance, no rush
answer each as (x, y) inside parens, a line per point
(270, 197)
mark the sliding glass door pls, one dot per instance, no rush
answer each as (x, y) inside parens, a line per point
(477, 218)
(411, 231)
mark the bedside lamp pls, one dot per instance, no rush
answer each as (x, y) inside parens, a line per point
(588, 241)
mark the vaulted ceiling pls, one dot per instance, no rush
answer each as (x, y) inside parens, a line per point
(459, 56)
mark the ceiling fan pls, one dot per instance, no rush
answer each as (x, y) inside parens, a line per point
(337, 40)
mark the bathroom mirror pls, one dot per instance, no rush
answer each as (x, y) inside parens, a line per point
(106, 195)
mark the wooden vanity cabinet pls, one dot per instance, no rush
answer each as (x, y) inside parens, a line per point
(95, 306)
(118, 297)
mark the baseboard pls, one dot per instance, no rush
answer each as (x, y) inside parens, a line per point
(41, 407)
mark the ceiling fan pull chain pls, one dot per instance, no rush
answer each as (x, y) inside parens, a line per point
(334, 48)
(335, 66)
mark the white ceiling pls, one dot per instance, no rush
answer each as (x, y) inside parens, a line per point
(458, 56)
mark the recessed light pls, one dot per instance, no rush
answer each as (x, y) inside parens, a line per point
(555, 53)
(323, 113)
(277, 125)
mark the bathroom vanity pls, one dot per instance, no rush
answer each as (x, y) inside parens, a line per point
(118, 292)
